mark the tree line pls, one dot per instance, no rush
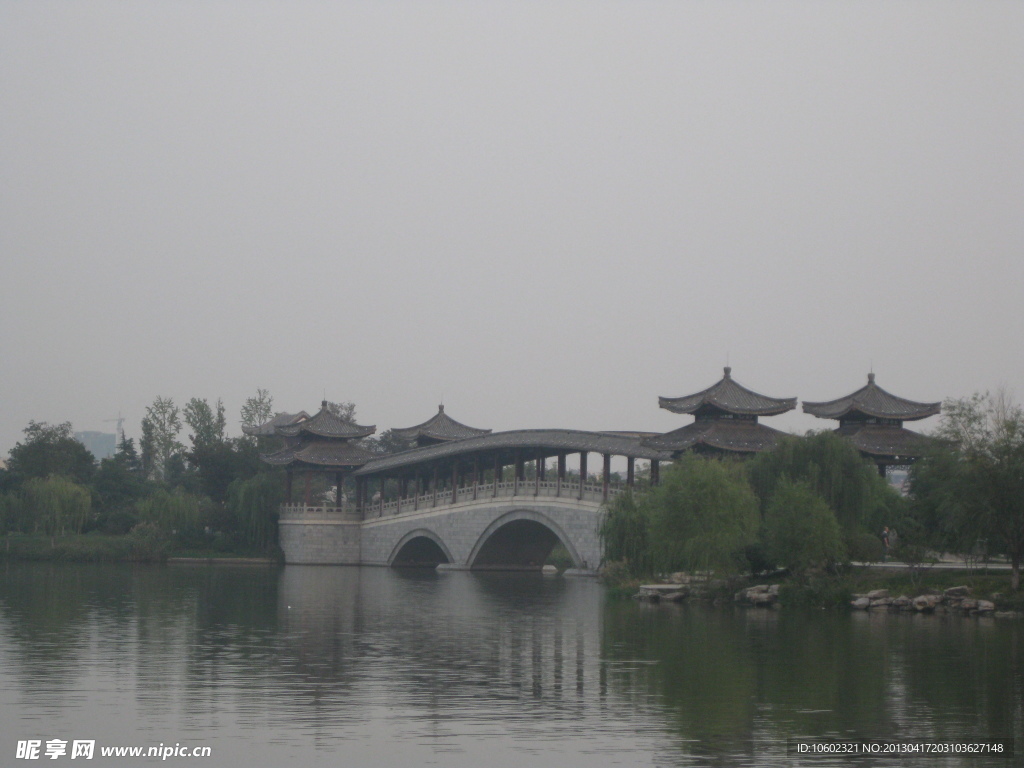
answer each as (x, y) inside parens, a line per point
(813, 503)
(209, 491)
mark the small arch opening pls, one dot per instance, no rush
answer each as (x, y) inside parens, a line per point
(419, 552)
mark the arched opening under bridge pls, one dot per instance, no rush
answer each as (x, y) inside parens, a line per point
(419, 550)
(523, 543)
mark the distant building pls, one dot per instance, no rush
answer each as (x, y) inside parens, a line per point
(102, 445)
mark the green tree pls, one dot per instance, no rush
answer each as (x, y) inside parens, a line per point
(625, 534)
(117, 485)
(50, 450)
(257, 410)
(12, 515)
(172, 512)
(703, 515)
(977, 488)
(344, 411)
(386, 443)
(207, 424)
(57, 504)
(835, 470)
(800, 531)
(160, 428)
(255, 502)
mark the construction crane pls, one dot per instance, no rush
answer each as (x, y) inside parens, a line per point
(120, 428)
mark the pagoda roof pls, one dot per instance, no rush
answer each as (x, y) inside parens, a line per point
(269, 428)
(440, 427)
(740, 436)
(320, 453)
(872, 400)
(326, 424)
(885, 440)
(730, 397)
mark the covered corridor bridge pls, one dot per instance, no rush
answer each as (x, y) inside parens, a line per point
(489, 501)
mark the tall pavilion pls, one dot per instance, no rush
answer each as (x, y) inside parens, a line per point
(872, 419)
(440, 428)
(322, 443)
(725, 420)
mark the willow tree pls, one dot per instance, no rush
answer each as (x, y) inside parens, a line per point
(57, 504)
(176, 512)
(800, 532)
(835, 471)
(703, 515)
(625, 533)
(974, 489)
(255, 502)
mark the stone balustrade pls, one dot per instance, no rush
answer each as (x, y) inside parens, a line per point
(592, 492)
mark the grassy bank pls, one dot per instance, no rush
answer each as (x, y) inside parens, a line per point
(142, 546)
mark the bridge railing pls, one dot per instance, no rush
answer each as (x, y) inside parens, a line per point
(566, 489)
(303, 513)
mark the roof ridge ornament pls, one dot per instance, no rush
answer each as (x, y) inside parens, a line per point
(728, 371)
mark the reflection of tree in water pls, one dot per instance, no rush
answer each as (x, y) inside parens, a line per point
(324, 651)
(734, 677)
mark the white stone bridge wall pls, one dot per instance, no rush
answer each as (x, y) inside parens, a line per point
(324, 535)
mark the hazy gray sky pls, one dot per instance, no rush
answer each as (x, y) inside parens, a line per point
(549, 213)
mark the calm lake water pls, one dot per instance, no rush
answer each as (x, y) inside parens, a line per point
(316, 666)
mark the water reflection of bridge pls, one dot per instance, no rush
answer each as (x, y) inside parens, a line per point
(489, 501)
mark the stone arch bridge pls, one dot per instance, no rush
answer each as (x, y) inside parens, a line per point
(455, 505)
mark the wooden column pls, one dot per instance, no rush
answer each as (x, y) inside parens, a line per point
(306, 497)
(476, 475)
(537, 473)
(416, 491)
(455, 481)
(517, 473)
(337, 492)
(542, 466)
(655, 471)
(630, 471)
(433, 501)
(382, 481)
(606, 476)
(561, 474)
(288, 485)
(497, 474)
(583, 472)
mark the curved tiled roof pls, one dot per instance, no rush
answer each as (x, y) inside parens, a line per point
(885, 440)
(321, 453)
(731, 397)
(326, 424)
(740, 436)
(269, 428)
(439, 427)
(872, 400)
(552, 440)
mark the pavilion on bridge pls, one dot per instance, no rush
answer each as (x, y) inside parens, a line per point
(440, 428)
(725, 420)
(324, 443)
(872, 419)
